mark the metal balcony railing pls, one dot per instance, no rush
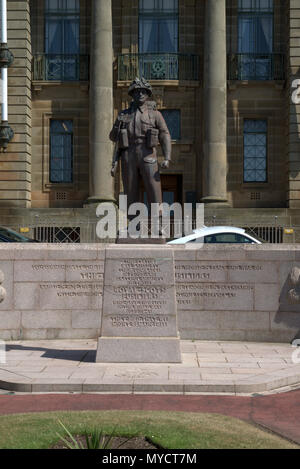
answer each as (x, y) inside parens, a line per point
(158, 66)
(57, 67)
(256, 67)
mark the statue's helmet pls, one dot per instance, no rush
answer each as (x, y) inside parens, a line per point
(140, 83)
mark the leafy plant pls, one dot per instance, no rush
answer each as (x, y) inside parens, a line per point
(95, 439)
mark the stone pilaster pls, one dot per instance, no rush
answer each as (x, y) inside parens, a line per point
(293, 104)
(101, 102)
(15, 164)
(215, 103)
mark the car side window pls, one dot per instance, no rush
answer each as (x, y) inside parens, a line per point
(196, 240)
(227, 238)
(244, 240)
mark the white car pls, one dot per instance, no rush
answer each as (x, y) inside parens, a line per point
(218, 234)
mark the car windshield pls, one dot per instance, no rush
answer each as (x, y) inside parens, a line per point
(10, 234)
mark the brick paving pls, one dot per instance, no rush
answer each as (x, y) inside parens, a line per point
(279, 412)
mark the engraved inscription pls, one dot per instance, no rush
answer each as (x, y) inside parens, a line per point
(195, 266)
(207, 290)
(234, 296)
(136, 374)
(91, 276)
(140, 321)
(136, 271)
(214, 286)
(93, 272)
(139, 297)
(79, 279)
(39, 267)
(193, 272)
(134, 298)
(192, 276)
(148, 300)
(73, 289)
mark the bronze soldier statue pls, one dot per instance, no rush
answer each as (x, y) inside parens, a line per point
(137, 132)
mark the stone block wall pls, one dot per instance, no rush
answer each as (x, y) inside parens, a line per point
(15, 164)
(59, 100)
(246, 293)
(262, 100)
(234, 293)
(256, 101)
(64, 101)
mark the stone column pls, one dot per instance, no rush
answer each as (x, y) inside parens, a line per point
(215, 103)
(101, 102)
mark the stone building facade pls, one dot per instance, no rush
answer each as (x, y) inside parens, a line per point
(223, 73)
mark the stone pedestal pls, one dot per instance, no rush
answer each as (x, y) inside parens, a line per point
(139, 315)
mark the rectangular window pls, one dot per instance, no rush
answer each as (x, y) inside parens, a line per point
(255, 39)
(61, 151)
(62, 46)
(158, 26)
(173, 121)
(255, 150)
(249, 6)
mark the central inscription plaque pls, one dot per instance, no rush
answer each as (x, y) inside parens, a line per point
(139, 316)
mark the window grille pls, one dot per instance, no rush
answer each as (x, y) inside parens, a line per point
(173, 121)
(255, 150)
(61, 151)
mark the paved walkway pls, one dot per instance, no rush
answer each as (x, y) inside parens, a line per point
(211, 367)
(279, 413)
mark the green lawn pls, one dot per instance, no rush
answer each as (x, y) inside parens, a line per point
(170, 430)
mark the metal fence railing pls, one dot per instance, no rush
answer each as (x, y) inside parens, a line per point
(158, 66)
(256, 66)
(85, 231)
(57, 234)
(58, 67)
(269, 232)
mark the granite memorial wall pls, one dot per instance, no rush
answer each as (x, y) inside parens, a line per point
(222, 292)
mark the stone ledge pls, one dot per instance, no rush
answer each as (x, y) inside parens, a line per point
(256, 384)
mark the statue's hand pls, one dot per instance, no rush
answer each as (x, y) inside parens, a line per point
(113, 170)
(165, 164)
